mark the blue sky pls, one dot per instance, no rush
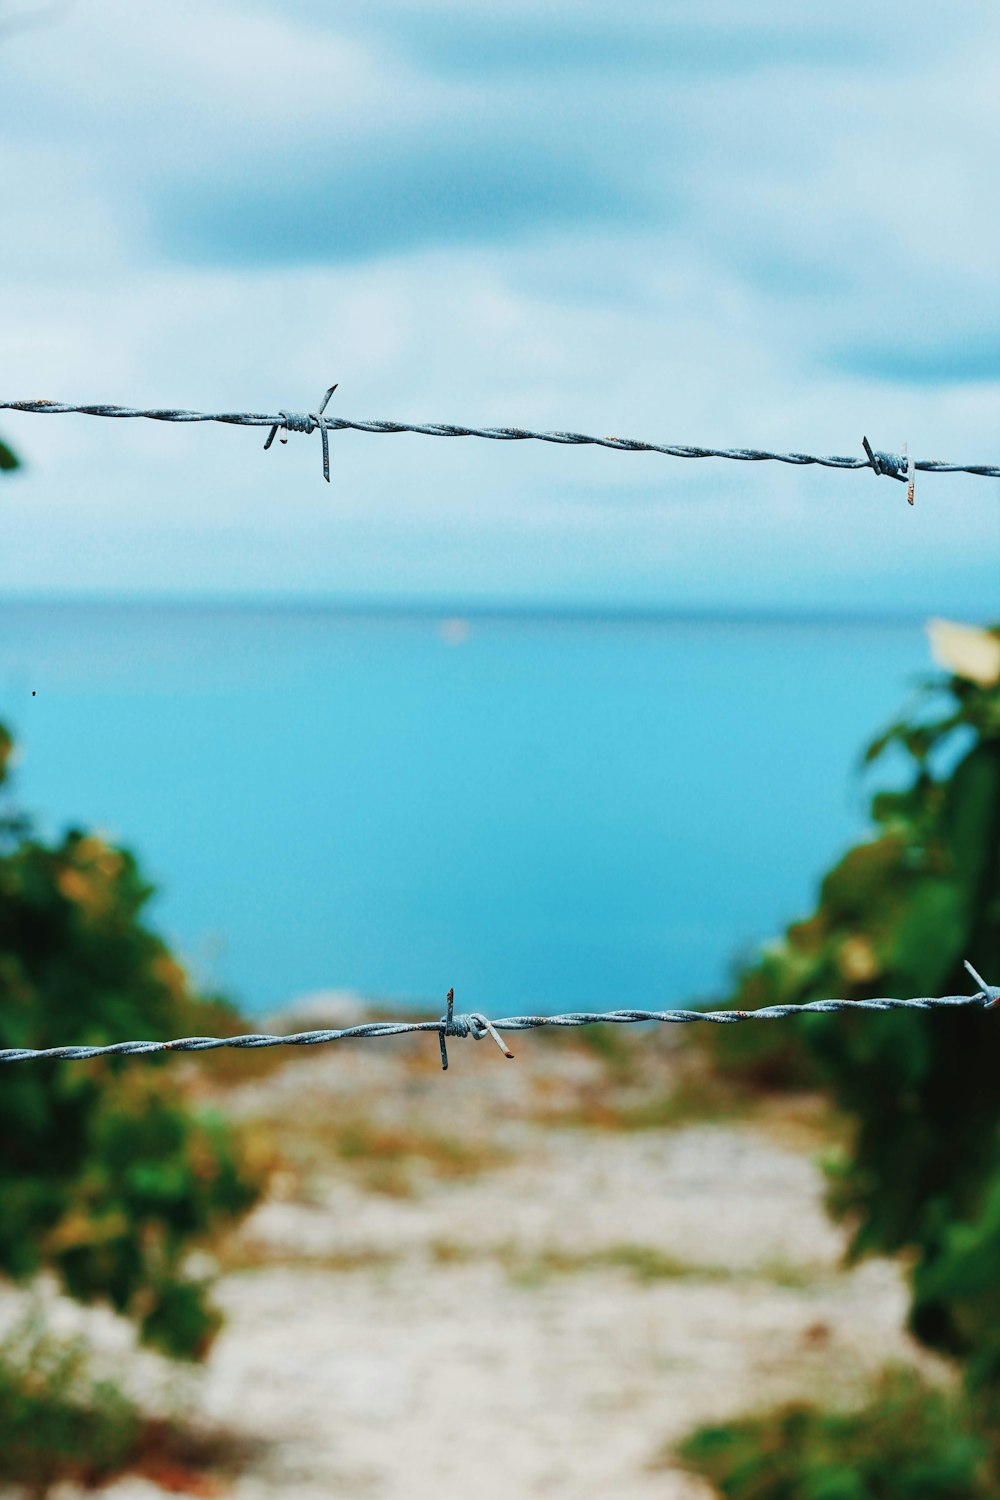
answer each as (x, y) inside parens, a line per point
(708, 223)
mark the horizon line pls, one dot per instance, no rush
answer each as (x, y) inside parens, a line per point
(422, 607)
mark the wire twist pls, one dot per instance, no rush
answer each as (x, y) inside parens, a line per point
(293, 421)
(894, 465)
(476, 1025)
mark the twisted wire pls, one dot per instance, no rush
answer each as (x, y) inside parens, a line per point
(478, 1026)
(893, 465)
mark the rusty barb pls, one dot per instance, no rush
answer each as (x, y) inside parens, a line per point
(474, 1024)
(295, 421)
(896, 465)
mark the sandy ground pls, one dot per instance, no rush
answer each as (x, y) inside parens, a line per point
(459, 1286)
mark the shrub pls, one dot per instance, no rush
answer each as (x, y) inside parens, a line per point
(56, 1420)
(910, 1442)
(106, 1174)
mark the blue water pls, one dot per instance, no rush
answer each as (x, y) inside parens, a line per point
(541, 812)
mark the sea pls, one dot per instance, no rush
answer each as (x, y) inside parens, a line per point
(546, 812)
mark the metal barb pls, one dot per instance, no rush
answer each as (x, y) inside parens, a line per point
(895, 465)
(292, 421)
(323, 432)
(475, 1024)
(447, 1021)
(990, 992)
(488, 1027)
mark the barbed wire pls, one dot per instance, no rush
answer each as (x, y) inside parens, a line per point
(895, 465)
(478, 1026)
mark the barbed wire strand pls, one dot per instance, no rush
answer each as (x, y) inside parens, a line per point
(478, 1026)
(894, 465)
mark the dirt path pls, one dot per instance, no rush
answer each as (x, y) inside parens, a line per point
(449, 1295)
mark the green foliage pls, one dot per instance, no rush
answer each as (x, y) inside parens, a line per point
(897, 916)
(8, 458)
(909, 1443)
(56, 1420)
(106, 1174)
(6, 750)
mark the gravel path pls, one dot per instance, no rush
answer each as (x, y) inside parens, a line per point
(539, 1327)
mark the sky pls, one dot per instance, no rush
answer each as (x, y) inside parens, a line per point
(708, 223)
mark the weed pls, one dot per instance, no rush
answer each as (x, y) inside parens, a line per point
(386, 1159)
(645, 1263)
(910, 1442)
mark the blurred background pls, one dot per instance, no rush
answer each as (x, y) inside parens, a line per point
(561, 727)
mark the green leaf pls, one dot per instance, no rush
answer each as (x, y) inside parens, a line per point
(931, 936)
(972, 813)
(8, 458)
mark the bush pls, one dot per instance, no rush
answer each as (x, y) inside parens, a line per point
(106, 1174)
(56, 1420)
(899, 912)
(897, 916)
(910, 1442)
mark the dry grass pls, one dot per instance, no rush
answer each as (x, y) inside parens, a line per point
(524, 1268)
(644, 1263)
(242, 1255)
(394, 1160)
(638, 1090)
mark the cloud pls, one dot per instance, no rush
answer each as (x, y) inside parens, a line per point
(972, 359)
(720, 227)
(352, 206)
(669, 37)
(486, 44)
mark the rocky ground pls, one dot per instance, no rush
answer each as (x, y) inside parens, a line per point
(519, 1278)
